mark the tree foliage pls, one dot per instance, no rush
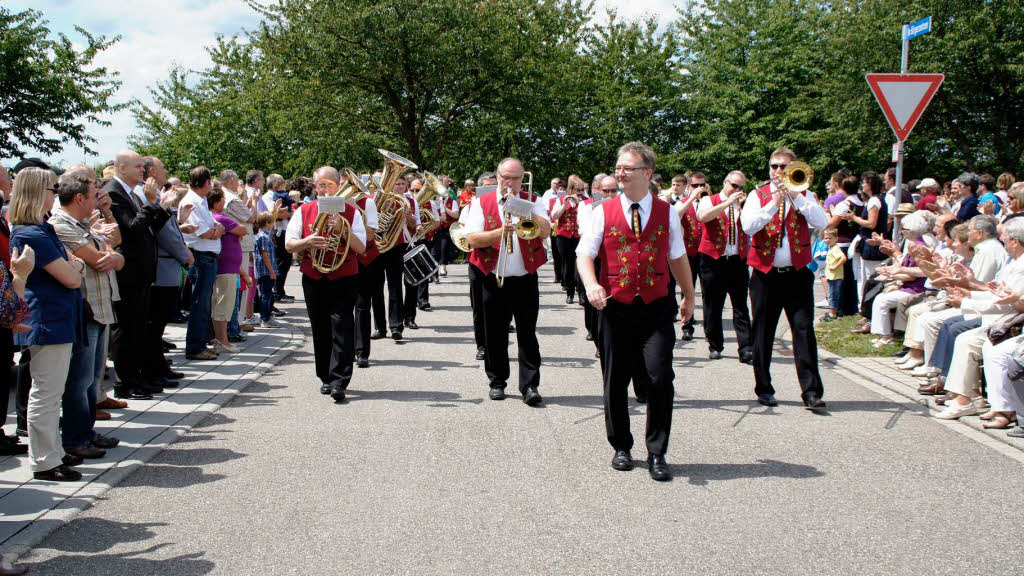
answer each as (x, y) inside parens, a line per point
(49, 90)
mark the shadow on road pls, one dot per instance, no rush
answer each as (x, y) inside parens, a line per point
(703, 474)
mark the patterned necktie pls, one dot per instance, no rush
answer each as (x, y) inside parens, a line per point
(636, 219)
(732, 226)
(782, 221)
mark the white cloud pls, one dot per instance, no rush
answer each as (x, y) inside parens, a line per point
(663, 10)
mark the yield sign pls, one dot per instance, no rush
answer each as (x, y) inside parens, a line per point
(903, 97)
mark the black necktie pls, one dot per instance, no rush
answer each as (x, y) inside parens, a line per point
(636, 219)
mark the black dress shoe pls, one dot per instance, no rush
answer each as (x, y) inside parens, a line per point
(511, 328)
(71, 460)
(131, 393)
(86, 451)
(363, 362)
(813, 401)
(149, 389)
(658, 468)
(172, 375)
(569, 300)
(767, 400)
(160, 383)
(641, 399)
(687, 335)
(325, 389)
(590, 337)
(167, 344)
(496, 394)
(105, 442)
(377, 335)
(480, 353)
(425, 307)
(747, 358)
(61, 473)
(412, 324)
(531, 397)
(278, 313)
(12, 449)
(396, 336)
(622, 461)
(715, 355)
(597, 354)
(338, 393)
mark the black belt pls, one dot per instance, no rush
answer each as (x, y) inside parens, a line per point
(783, 269)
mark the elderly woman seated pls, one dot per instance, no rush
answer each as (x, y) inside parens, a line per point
(909, 276)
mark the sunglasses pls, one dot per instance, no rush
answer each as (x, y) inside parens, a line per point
(609, 189)
(736, 186)
(778, 166)
(701, 185)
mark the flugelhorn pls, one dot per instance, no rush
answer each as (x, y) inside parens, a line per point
(391, 207)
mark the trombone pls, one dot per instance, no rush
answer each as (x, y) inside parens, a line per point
(525, 228)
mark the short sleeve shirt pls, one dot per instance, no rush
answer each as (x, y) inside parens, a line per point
(230, 258)
(55, 310)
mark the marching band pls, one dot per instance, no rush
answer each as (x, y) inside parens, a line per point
(622, 251)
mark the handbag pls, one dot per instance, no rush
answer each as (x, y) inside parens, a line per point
(1005, 327)
(1015, 363)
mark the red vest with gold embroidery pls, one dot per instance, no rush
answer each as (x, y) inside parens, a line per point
(351, 265)
(716, 233)
(632, 266)
(693, 229)
(371, 245)
(486, 259)
(568, 224)
(768, 239)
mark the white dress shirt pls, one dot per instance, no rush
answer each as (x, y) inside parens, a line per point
(202, 218)
(294, 230)
(474, 222)
(268, 200)
(410, 236)
(260, 204)
(755, 216)
(590, 244)
(372, 220)
(704, 206)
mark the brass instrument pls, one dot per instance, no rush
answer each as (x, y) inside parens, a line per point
(458, 234)
(391, 207)
(796, 177)
(525, 228)
(528, 180)
(432, 186)
(336, 229)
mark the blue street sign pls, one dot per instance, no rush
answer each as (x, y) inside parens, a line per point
(919, 28)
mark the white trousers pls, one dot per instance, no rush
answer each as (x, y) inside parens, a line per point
(928, 326)
(863, 270)
(913, 318)
(881, 310)
(49, 369)
(965, 370)
(1002, 394)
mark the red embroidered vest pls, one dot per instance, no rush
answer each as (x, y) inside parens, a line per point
(351, 265)
(768, 239)
(693, 229)
(568, 224)
(716, 233)
(486, 259)
(632, 266)
(371, 245)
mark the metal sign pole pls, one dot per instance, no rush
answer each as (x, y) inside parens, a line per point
(904, 56)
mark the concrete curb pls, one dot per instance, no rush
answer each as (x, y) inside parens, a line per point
(23, 541)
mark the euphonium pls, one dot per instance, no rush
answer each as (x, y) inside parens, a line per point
(432, 186)
(336, 229)
(458, 234)
(391, 207)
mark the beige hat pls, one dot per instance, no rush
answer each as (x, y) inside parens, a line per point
(928, 183)
(904, 209)
(109, 172)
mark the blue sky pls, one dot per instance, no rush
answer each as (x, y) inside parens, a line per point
(157, 35)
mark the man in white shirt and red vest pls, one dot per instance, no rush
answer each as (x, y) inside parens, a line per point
(723, 266)
(393, 266)
(564, 210)
(331, 297)
(369, 277)
(640, 242)
(518, 297)
(778, 222)
(418, 297)
(684, 195)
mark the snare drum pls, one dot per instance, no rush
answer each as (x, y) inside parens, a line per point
(419, 265)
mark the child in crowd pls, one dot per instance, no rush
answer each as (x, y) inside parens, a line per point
(266, 267)
(833, 271)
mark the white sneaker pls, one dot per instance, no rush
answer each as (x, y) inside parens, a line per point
(912, 364)
(925, 371)
(954, 410)
(269, 324)
(981, 403)
(821, 304)
(251, 321)
(228, 348)
(903, 359)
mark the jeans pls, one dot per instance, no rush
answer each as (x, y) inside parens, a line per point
(88, 361)
(266, 297)
(835, 289)
(233, 328)
(204, 272)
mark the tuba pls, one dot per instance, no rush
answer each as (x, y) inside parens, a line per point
(432, 187)
(391, 207)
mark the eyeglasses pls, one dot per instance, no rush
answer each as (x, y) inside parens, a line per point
(735, 185)
(696, 185)
(778, 166)
(609, 189)
(629, 169)
(506, 177)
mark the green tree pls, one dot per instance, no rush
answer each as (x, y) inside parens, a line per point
(49, 91)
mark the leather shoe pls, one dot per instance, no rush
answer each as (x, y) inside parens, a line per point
(569, 300)
(715, 355)
(338, 393)
(496, 394)
(377, 335)
(767, 400)
(531, 397)
(13, 449)
(105, 442)
(658, 468)
(278, 313)
(161, 383)
(71, 460)
(112, 404)
(480, 354)
(687, 335)
(86, 451)
(61, 473)
(511, 328)
(813, 401)
(411, 324)
(425, 307)
(131, 393)
(622, 461)
(362, 362)
(325, 389)
(590, 337)
(746, 358)
(102, 414)
(150, 389)
(396, 336)
(172, 375)
(641, 398)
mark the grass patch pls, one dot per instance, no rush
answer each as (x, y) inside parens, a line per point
(836, 338)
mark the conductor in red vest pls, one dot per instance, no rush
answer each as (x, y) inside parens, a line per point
(639, 240)
(518, 295)
(330, 298)
(778, 221)
(723, 266)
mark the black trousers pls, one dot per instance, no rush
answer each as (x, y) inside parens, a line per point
(556, 260)
(519, 298)
(330, 304)
(567, 252)
(415, 296)
(476, 296)
(162, 302)
(7, 373)
(772, 294)
(376, 279)
(284, 263)
(636, 343)
(442, 249)
(361, 314)
(391, 264)
(128, 338)
(726, 276)
(848, 291)
(694, 261)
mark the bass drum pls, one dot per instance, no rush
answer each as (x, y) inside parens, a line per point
(418, 265)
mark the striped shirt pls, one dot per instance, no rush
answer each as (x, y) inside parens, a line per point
(98, 288)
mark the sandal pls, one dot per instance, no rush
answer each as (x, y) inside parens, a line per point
(998, 422)
(988, 415)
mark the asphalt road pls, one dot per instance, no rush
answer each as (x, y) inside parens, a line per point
(419, 473)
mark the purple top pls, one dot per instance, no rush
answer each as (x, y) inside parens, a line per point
(916, 286)
(835, 199)
(230, 258)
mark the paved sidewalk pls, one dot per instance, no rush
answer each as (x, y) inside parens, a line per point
(31, 508)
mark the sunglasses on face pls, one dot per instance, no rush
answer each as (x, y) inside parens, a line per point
(778, 166)
(609, 189)
(736, 186)
(695, 185)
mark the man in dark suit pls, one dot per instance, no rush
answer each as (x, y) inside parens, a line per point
(140, 219)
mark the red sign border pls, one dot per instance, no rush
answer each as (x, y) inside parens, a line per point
(875, 78)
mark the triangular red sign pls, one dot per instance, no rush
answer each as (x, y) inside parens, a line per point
(903, 97)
